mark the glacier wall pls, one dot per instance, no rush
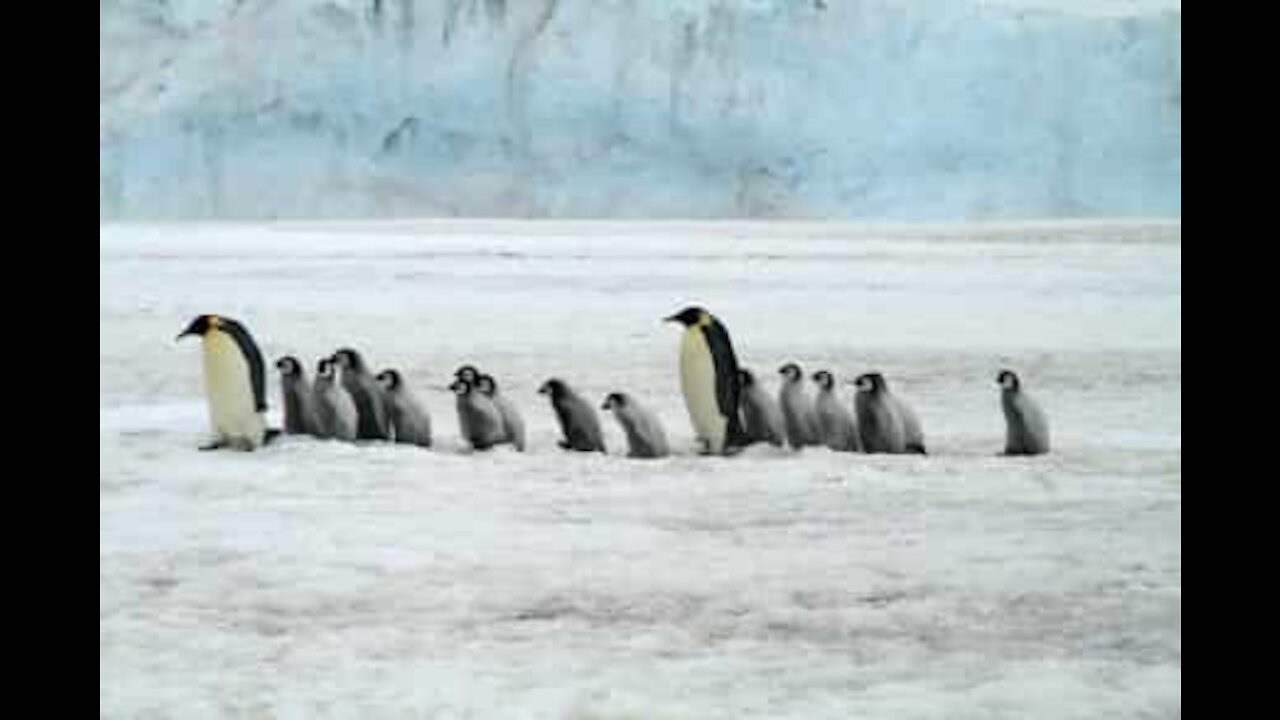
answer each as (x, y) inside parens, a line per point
(816, 109)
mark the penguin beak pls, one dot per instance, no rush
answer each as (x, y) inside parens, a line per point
(670, 318)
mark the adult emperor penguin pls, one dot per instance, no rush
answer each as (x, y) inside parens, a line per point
(478, 418)
(234, 381)
(835, 419)
(645, 437)
(578, 420)
(410, 422)
(885, 423)
(797, 408)
(1026, 427)
(761, 415)
(374, 423)
(512, 423)
(709, 381)
(335, 410)
(299, 399)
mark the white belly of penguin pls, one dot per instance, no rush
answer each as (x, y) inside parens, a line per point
(698, 383)
(230, 391)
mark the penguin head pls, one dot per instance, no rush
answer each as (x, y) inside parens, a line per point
(554, 387)
(1008, 380)
(791, 373)
(289, 366)
(467, 372)
(614, 400)
(324, 368)
(460, 387)
(690, 316)
(870, 382)
(746, 378)
(201, 325)
(389, 379)
(824, 379)
(486, 384)
(348, 359)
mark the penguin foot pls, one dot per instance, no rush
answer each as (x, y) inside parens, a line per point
(213, 445)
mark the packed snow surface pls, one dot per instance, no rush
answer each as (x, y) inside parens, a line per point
(323, 579)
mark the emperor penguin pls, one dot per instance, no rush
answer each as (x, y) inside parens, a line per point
(410, 422)
(709, 381)
(645, 437)
(371, 407)
(577, 418)
(835, 420)
(478, 418)
(885, 423)
(760, 412)
(299, 399)
(234, 381)
(797, 408)
(1026, 427)
(513, 424)
(335, 410)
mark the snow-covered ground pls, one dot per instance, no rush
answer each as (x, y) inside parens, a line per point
(319, 579)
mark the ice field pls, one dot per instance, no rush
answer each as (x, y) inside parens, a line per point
(321, 579)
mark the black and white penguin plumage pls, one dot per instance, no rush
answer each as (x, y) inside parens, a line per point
(371, 407)
(1026, 427)
(467, 372)
(479, 420)
(410, 421)
(512, 422)
(335, 410)
(709, 381)
(797, 408)
(298, 397)
(836, 423)
(645, 436)
(762, 418)
(234, 382)
(885, 423)
(578, 420)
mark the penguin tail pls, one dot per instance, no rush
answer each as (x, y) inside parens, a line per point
(916, 449)
(735, 437)
(271, 434)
